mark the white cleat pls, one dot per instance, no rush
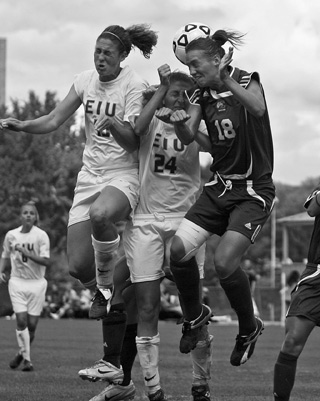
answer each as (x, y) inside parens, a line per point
(102, 371)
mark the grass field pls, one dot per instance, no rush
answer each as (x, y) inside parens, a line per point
(62, 347)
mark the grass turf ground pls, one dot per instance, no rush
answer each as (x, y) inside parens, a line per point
(64, 346)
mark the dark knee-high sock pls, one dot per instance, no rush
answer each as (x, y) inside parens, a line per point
(237, 289)
(284, 376)
(129, 352)
(186, 276)
(113, 329)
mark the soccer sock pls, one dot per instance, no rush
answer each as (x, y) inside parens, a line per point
(284, 376)
(23, 338)
(187, 278)
(201, 358)
(113, 329)
(148, 351)
(105, 258)
(128, 352)
(237, 289)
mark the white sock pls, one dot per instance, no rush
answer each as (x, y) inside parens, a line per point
(148, 351)
(105, 254)
(23, 339)
(201, 358)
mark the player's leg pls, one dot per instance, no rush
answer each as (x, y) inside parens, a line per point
(80, 253)
(113, 329)
(113, 205)
(148, 339)
(298, 330)
(17, 288)
(185, 244)
(119, 344)
(235, 283)
(201, 357)
(23, 339)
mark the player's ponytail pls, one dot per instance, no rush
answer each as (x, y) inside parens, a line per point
(143, 38)
(212, 45)
(140, 36)
(234, 38)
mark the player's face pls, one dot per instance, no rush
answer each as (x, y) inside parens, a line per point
(107, 59)
(175, 98)
(28, 215)
(203, 69)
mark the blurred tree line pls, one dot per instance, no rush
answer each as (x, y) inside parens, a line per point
(43, 168)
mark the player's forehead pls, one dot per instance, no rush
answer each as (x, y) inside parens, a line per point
(106, 44)
(28, 209)
(179, 85)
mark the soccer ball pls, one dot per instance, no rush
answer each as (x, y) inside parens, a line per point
(185, 35)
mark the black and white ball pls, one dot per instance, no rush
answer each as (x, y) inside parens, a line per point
(185, 35)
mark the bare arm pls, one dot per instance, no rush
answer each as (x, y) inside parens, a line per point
(251, 97)
(4, 264)
(144, 119)
(49, 122)
(122, 132)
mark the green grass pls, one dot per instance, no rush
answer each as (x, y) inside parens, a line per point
(62, 347)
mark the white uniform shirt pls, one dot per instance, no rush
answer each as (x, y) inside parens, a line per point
(35, 241)
(121, 97)
(169, 171)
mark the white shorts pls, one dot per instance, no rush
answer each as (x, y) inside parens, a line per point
(27, 295)
(147, 243)
(89, 187)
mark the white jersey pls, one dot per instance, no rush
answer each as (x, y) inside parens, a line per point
(35, 241)
(169, 171)
(120, 98)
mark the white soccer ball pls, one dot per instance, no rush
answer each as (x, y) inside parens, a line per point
(185, 35)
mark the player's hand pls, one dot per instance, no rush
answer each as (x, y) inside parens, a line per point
(224, 63)
(3, 277)
(103, 124)
(179, 117)
(148, 93)
(11, 124)
(164, 73)
(164, 114)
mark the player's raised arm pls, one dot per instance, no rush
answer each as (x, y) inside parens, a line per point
(149, 110)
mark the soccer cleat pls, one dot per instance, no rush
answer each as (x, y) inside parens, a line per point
(102, 371)
(201, 393)
(191, 330)
(158, 396)
(27, 366)
(101, 303)
(16, 361)
(245, 345)
(116, 392)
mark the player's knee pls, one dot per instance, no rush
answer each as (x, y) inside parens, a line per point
(291, 345)
(99, 217)
(177, 250)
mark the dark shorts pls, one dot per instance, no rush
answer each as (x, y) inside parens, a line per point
(305, 298)
(245, 208)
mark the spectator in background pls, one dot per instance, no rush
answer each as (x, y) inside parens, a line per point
(27, 248)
